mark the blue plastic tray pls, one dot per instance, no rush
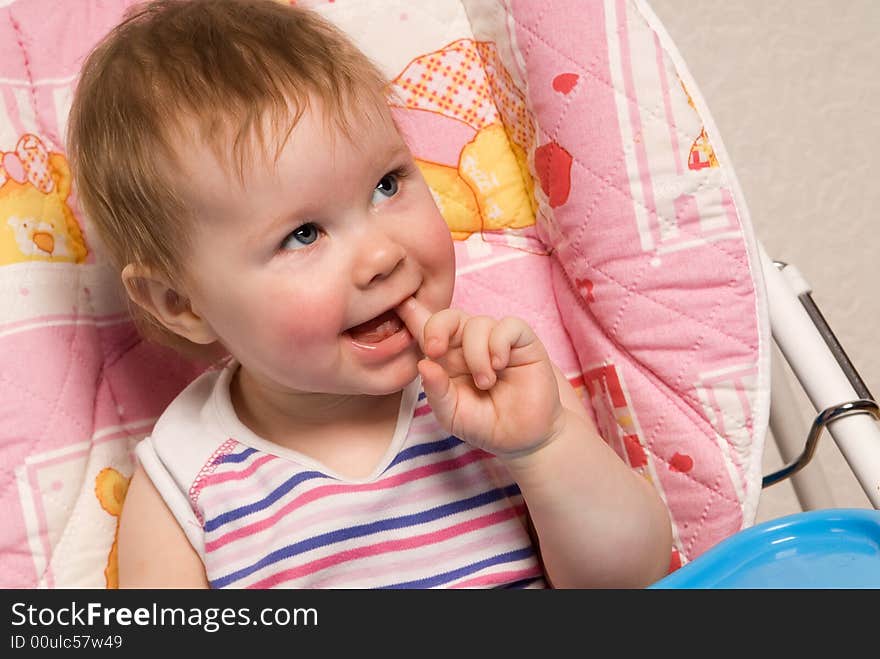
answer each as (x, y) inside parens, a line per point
(833, 548)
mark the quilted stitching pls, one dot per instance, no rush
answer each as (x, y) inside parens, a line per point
(631, 288)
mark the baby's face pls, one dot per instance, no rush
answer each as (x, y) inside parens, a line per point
(298, 271)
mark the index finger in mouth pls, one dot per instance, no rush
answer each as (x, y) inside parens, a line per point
(414, 315)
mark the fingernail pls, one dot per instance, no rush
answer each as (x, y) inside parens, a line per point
(432, 344)
(496, 363)
(483, 381)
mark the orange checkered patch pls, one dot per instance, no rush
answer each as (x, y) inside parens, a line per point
(467, 81)
(451, 82)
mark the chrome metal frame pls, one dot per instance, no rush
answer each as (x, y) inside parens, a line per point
(827, 375)
(828, 415)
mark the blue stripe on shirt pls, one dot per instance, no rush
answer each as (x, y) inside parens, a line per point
(216, 522)
(425, 449)
(452, 575)
(235, 457)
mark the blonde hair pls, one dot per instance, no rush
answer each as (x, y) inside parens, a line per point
(224, 67)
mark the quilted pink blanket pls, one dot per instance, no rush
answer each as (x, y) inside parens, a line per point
(587, 191)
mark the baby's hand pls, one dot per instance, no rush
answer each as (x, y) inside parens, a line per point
(489, 382)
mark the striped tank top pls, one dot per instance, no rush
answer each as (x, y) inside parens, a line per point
(436, 513)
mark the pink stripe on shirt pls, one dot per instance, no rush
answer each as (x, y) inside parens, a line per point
(499, 578)
(216, 479)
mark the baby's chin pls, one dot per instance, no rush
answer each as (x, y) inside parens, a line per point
(390, 380)
(400, 383)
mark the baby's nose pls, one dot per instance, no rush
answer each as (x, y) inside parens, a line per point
(377, 260)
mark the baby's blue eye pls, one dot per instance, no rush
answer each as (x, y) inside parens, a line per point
(386, 188)
(303, 236)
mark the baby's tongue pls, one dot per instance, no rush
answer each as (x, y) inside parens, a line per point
(377, 329)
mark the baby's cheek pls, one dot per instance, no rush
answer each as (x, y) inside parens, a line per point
(305, 321)
(439, 246)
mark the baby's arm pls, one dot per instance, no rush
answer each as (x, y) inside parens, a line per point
(491, 383)
(599, 524)
(153, 550)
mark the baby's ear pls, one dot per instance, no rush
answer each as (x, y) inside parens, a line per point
(151, 291)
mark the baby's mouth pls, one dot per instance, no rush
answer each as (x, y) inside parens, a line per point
(377, 329)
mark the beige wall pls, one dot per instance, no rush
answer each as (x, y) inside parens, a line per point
(794, 88)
